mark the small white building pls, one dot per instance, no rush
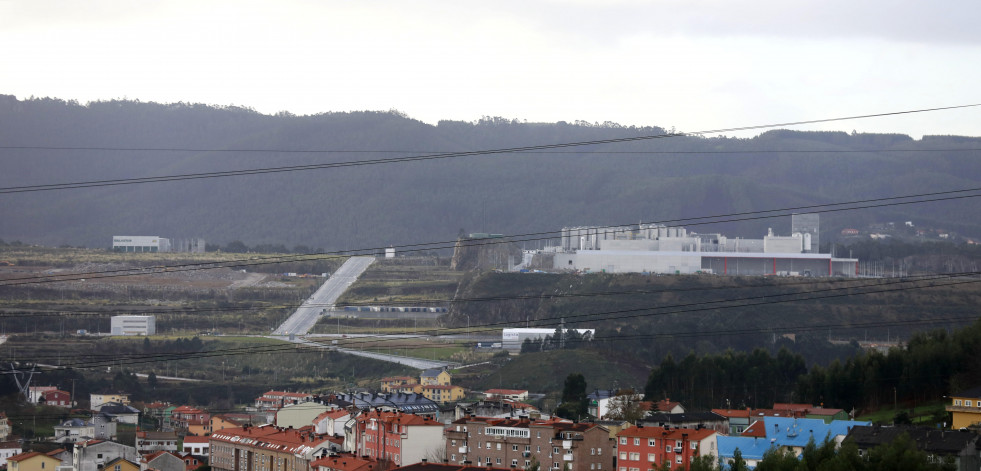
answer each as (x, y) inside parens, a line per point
(140, 244)
(133, 325)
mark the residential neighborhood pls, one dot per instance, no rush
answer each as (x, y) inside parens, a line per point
(391, 429)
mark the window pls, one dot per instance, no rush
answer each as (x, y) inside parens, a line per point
(555, 450)
(514, 463)
(667, 447)
(623, 455)
(651, 458)
(592, 465)
(957, 402)
(538, 448)
(489, 445)
(453, 457)
(592, 451)
(677, 459)
(635, 456)
(514, 447)
(498, 461)
(636, 441)
(599, 465)
(498, 446)
(677, 443)
(967, 403)
(527, 447)
(651, 442)
(623, 440)
(453, 442)
(527, 463)
(599, 451)
(116, 468)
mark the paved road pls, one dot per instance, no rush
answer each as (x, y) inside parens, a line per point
(412, 362)
(307, 314)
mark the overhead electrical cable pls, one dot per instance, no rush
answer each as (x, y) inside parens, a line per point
(732, 303)
(527, 237)
(447, 155)
(32, 312)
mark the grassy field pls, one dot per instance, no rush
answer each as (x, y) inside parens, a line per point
(925, 414)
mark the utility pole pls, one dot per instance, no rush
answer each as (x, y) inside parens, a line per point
(562, 333)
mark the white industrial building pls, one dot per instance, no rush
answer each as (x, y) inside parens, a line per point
(133, 325)
(655, 248)
(140, 244)
(512, 339)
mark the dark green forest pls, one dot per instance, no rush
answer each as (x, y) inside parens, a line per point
(47, 140)
(930, 366)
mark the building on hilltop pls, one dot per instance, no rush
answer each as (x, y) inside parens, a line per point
(154, 244)
(656, 248)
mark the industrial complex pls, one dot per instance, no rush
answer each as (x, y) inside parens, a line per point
(656, 248)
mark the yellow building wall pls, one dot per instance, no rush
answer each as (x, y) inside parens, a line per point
(35, 463)
(123, 465)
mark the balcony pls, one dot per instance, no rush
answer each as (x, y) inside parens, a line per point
(677, 449)
(567, 444)
(567, 457)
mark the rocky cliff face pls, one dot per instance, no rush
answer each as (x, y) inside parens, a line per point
(484, 254)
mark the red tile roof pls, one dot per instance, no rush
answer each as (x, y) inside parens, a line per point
(272, 438)
(25, 456)
(756, 429)
(346, 463)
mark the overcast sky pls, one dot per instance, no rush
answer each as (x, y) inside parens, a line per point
(693, 65)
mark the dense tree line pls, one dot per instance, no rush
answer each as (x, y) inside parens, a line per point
(731, 379)
(569, 339)
(930, 366)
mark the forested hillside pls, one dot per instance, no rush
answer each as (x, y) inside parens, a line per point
(51, 141)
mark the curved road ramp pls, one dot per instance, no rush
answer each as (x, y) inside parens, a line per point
(324, 298)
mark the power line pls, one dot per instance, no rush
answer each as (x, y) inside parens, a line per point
(527, 237)
(428, 301)
(744, 302)
(447, 155)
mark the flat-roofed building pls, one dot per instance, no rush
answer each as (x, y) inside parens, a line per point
(140, 244)
(133, 325)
